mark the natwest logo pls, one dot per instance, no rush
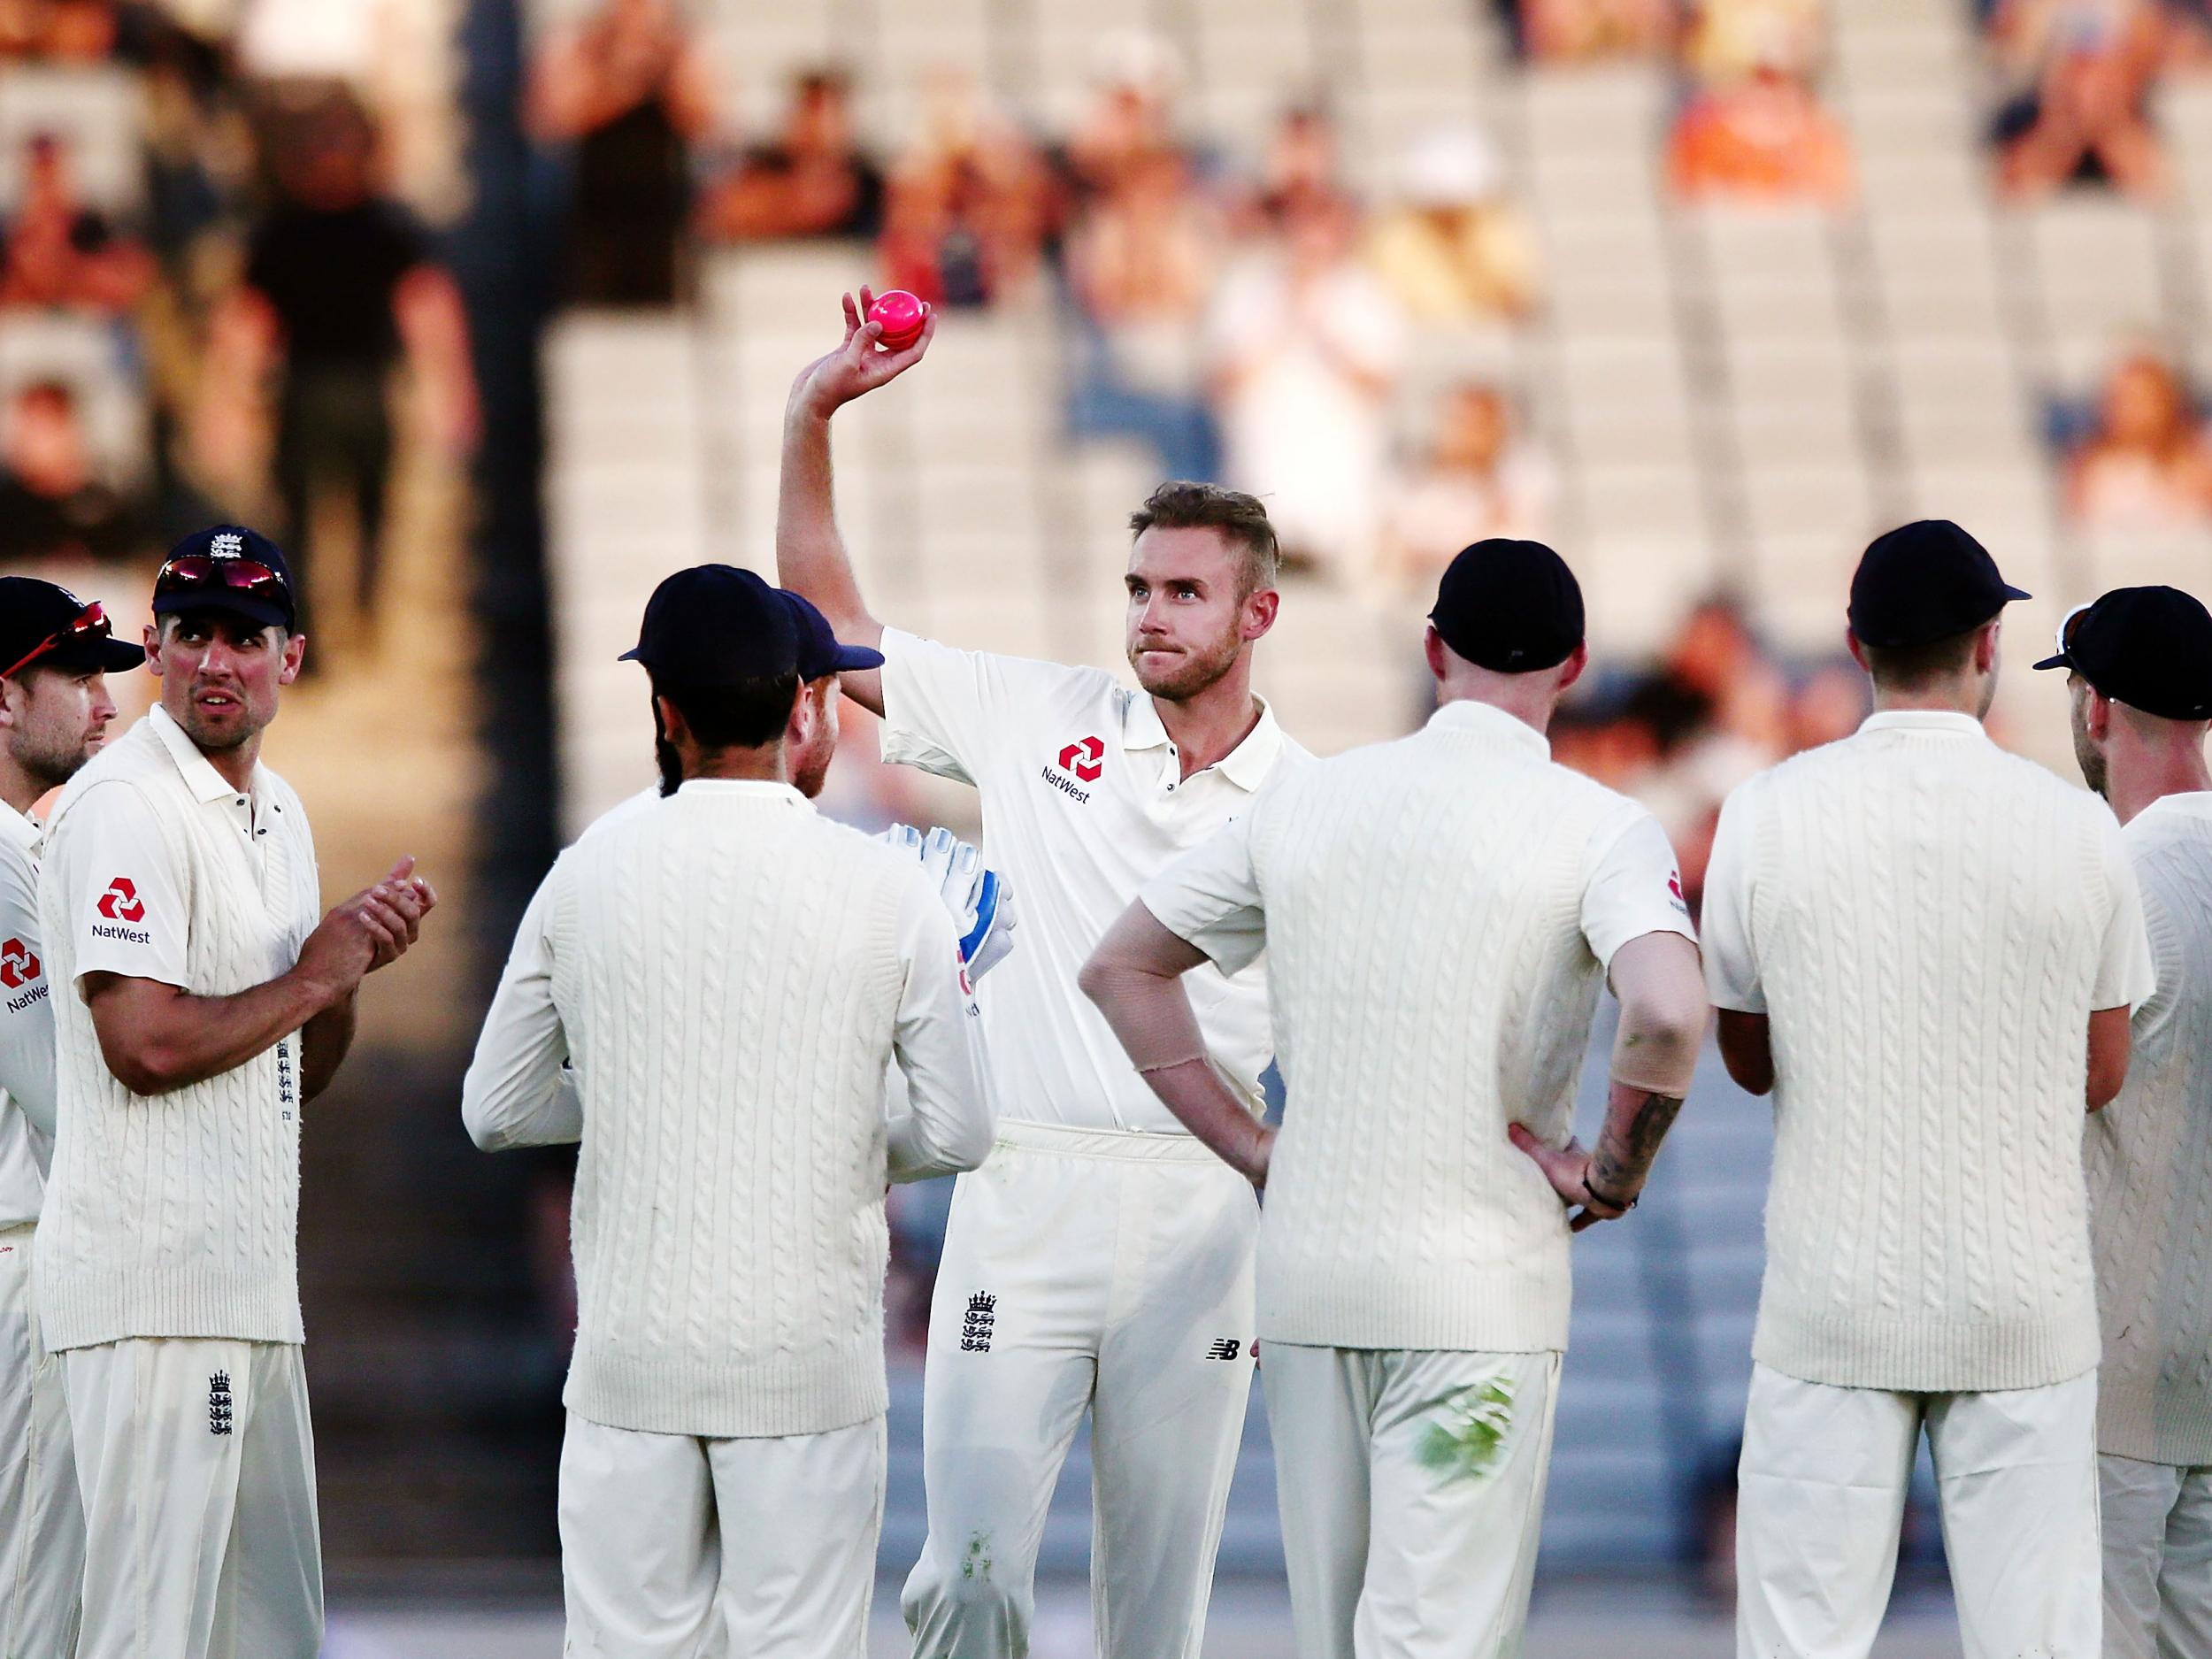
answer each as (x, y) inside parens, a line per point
(120, 903)
(17, 965)
(1086, 759)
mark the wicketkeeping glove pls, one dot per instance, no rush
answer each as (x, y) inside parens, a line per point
(981, 901)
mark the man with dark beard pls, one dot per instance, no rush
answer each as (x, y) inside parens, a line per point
(55, 654)
(1102, 1260)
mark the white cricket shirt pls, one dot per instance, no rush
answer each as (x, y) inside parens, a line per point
(2149, 1155)
(1083, 800)
(1927, 922)
(27, 1027)
(1437, 914)
(176, 1214)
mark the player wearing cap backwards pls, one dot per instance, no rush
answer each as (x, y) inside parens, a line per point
(202, 1005)
(1102, 1261)
(54, 712)
(1927, 949)
(729, 974)
(2141, 675)
(1438, 913)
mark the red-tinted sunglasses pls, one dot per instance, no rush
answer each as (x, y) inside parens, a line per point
(188, 572)
(90, 623)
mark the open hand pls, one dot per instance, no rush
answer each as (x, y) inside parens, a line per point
(857, 367)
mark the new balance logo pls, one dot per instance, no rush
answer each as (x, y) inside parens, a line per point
(17, 965)
(975, 1324)
(1224, 1347)
(218, 1403)
(120, 903)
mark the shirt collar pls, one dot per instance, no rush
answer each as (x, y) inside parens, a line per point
(199, 772)
(1464, 714)
(1923, 720)
(2190, 803)
(1246, 766)
(745, 789)
(19, 830)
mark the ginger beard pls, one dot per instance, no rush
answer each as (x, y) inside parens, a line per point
(1185, 627)
(2086, 754)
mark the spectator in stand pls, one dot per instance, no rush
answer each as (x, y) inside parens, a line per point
(1763, 140)
(1582, 31)
(1141, 265)
(1455, 253)
(52, 504)
(813, 181)
(341, 288)
(1132, 120)
(628, 87)
(1304, 349)
(1727, 40)
(1302, 165)
(1478, 480)
(2086, 119)
(969, 204)
(55, 251)
(2147, 464)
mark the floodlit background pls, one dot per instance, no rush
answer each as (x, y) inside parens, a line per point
(487, 310)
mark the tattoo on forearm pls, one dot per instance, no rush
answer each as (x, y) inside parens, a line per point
(1620, 1168)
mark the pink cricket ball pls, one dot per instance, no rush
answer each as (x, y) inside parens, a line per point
(901, 316)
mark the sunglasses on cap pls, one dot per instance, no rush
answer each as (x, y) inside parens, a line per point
(195, 573)
(91, 622)
(2069, 625)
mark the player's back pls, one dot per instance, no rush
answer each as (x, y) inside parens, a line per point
(1432, 983)
(728, 971)
(1929, 916)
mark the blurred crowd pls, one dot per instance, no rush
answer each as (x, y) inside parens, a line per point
(212, 300)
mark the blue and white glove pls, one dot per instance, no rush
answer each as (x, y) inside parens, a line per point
(981, 901)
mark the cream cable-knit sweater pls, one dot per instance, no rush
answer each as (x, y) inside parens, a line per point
(2150, 1165)
(177, 1215)
(1932, 921)
(728, 976)
(1428, 915)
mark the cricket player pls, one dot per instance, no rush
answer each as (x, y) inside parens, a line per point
(1102, 1260)
(54, 711)
(201, 1006)
(1438, 913)
(1927, 949)
(2140, 670)
(729, 974)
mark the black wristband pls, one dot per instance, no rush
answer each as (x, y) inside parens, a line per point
(1610, 1204)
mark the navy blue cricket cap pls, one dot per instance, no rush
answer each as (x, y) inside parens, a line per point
(716, 625)
(1925, 582)
(43, 625)
(820, 651)
(2150, 648)
(229, 568)
(1510, 606)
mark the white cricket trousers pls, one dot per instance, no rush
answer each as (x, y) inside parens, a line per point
(1821, 1499)
(1083, 1269)
(675, 1546)
(197, 1464)
(42, 1523)
(1411, 1485)
(2157, 1559)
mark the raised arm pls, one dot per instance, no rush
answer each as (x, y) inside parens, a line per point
(811, 557)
